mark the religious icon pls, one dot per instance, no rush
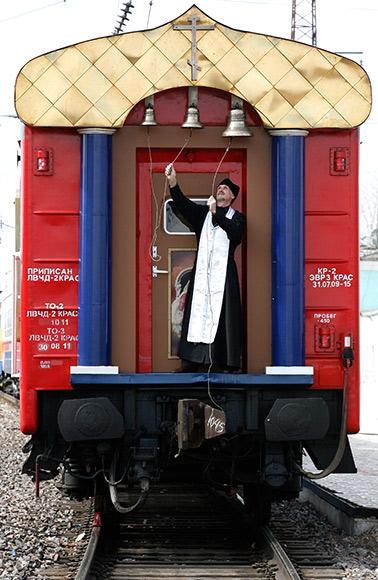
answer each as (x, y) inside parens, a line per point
(180, 268)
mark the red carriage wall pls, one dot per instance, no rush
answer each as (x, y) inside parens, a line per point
(50, 256)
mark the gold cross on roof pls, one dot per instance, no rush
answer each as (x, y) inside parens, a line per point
(194, 27)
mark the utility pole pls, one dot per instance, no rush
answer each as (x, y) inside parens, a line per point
(122, 18)
(303, 21)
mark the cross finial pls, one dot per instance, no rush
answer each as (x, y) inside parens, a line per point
(193, 26)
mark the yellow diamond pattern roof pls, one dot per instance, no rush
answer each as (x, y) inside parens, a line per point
(96, 83)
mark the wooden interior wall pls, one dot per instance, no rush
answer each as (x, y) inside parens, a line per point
(258, 239)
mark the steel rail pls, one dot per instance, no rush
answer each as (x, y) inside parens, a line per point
(286, 566)
(89, 554)
(10, 399)
(197, 564)
(279, 556)
(284, 563)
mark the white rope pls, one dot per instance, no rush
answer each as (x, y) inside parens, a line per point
(208, 285)
(158, 215)
(158, 210)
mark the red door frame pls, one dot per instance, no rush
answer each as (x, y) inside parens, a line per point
(202, 161)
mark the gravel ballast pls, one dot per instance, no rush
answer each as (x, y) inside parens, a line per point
(36, 534)
(357, 555)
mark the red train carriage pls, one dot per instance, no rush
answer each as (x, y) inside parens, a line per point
(104, 258)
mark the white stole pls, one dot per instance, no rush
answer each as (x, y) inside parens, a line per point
(209, 281)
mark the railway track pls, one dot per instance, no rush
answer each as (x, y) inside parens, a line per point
(311, 560)
(190, 533)
(9, 399)
(182, 533)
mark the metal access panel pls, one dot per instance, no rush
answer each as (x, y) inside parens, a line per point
(50, 264)
(332, 261)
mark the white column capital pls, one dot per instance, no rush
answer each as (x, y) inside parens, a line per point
(288, 132)
(96, 131)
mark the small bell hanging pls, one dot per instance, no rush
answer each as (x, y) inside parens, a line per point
(192, 118)
(149, 116)
(236, 126)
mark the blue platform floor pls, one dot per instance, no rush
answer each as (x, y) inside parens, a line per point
(161, 379)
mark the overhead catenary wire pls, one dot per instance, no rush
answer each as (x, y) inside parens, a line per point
(27, 12)
(258, 2)
(262, 2)
(3, 224)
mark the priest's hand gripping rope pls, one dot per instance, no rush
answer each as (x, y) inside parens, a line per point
(159, 210)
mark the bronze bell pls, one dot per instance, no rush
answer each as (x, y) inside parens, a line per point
(192, 118)
(149, 116)
(236, 126)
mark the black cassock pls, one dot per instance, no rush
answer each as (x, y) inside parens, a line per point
(226, 348)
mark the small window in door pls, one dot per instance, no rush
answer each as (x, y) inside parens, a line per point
(172, 218)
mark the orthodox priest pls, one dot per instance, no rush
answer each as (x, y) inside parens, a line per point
(212, 323)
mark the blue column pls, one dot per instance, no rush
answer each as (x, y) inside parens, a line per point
(95, 247)
(288, 247)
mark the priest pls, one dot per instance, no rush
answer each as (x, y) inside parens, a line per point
(212, 324)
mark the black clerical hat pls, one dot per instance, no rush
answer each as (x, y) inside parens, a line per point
(234, 188)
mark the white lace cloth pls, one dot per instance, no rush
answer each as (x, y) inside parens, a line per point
(209, 281)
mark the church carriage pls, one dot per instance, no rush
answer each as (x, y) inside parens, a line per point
(106, 260)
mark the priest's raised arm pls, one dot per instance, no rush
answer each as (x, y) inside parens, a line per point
(212, 323)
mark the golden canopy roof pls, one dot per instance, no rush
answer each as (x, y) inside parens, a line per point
(96, 83)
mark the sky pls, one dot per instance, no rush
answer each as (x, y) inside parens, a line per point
(32, 27)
